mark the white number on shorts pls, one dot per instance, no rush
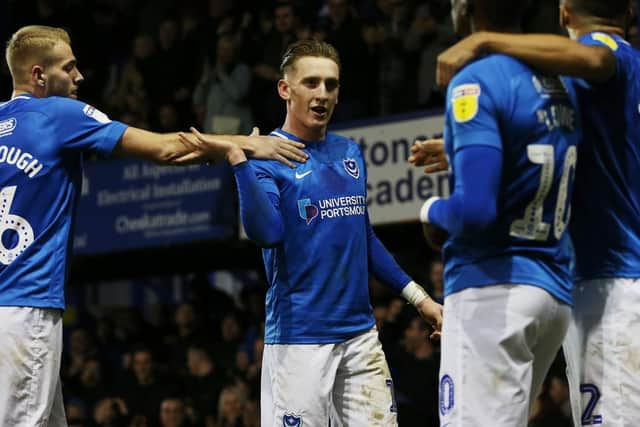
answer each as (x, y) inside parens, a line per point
(12, 222)
(588, 418)
(531, 226)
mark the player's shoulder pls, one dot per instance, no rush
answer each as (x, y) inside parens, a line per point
(600, 38)
(335, 138)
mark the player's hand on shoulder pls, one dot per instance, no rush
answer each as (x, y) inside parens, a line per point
(457, 56)
(275, 148)
(431, 312)
(435, 236)
(430, 154)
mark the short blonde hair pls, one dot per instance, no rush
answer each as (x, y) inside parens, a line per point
(32, 45)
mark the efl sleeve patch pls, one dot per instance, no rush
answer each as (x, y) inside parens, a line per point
(465, 101)
(97, 115)
(605, 39)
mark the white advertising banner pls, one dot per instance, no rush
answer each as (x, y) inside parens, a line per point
(396, 189)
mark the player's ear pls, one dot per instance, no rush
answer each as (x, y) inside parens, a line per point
(37, 75)
(284, 90)
(565, 16)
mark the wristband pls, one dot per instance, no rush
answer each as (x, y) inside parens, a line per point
(414, 293)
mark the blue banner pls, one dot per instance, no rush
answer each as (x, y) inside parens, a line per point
(128, 204)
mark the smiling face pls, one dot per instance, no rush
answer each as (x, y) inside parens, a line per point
(310, 88)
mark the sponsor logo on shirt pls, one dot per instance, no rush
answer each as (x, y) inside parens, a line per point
(464, 99)
(331, 208)
(7, 127)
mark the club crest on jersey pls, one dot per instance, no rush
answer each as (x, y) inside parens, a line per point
(291, 420)
(465, 101)
(307, 211)
(351, 166)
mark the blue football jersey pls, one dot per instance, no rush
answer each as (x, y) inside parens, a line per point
(318, 275)
(532, 119)
(41, 145)
(606, 227)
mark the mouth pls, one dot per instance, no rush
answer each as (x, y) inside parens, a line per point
(319, 111)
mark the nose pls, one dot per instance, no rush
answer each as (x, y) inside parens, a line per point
(79, 78)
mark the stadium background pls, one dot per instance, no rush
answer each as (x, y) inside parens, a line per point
(166, 299)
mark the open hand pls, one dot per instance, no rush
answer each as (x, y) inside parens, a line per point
(430, 154)
(431, 312)
(274, 148)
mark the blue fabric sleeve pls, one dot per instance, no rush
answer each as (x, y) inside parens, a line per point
(258, 208)
(82, 127)
(381, 263)
(472, 206)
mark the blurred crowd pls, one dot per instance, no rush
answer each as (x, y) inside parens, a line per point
(198, 363)
(168, 64)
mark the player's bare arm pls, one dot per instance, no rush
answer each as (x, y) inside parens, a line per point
(550, 53)
(216, 147)
(163, 148)
(430, 154)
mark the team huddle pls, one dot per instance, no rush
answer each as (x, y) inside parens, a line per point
(540, 236)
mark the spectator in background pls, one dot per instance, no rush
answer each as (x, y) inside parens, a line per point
(231, 408)
(267, 107)
(221, 96)
(203, 383)
(144, 388)
(131, 95)
(436, 279)
(430, 33)
(173, 413)
(415, 361)
(340, 27)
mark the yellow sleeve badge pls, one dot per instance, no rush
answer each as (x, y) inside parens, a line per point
(465, 101)
(605, 39)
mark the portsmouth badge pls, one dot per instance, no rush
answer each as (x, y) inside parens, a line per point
(351, 166)
(291, 420)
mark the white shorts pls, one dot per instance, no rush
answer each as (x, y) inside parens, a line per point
(497, 345)
(602, 350)
(30, 353)
(349, 382)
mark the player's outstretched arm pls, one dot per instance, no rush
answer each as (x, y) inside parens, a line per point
(164, 148)
(254, 145)
(547, 52)
(430, 154)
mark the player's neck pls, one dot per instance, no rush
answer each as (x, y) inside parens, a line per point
(303, 132)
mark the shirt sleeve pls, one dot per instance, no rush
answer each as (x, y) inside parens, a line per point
(82, 127)
(473, 108)
(259, 205)
(473, 203)
(381, 263)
